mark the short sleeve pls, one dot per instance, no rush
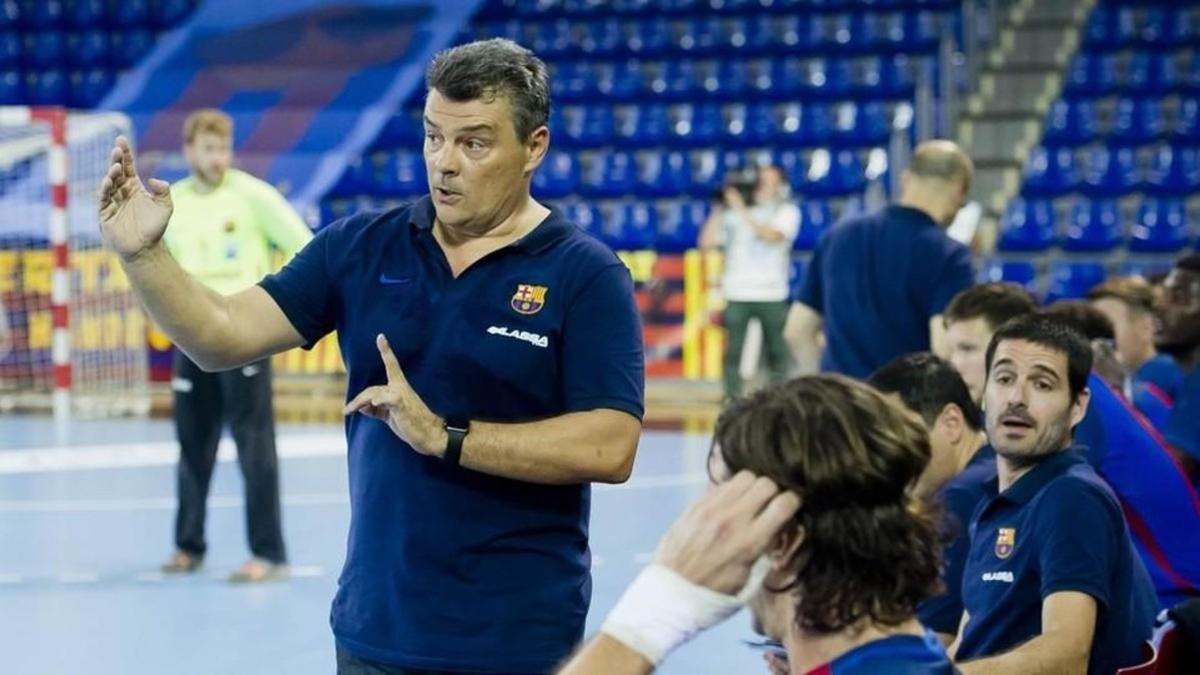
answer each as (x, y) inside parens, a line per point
(1072, 557)
(305, 290)
(958, 274)
(603, 358)
(811, 291)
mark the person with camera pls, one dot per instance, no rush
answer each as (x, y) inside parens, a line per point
(755, 223)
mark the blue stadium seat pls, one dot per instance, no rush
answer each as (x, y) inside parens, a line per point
(787, 77)
(748, 125)
(1108, 28)
(1110, 172)
(557, 177)
(866, 77)
(922, 31)
(1188, 78)
(1136, 121)
(552, 40)
(608, 174)
(844, 175)
(730, 82)
(169, 13)
(630, 226)
(88, 87)
(1161, 227)
(623, 82)
(585, 126)
(790, 33)
(12, 87)
(1095, 225)
(1028, 225)
(573, 81)
(46, 87)
(599, 38)
(357, 178)
(1174, 171)
(41, 14)
(335, 209)
(872, 125)
(815, 218)
(676, 81)
(129, 46)
(679, 225)
(1187, 122)
(404, 129)
(44, 49)
(898, 77)
(400, 173)
(129, 14)
(646, 38)
(1183, 28)
(1070, 123)
(641, 126)
(694, 125)
(10, 49)
(1020, 272)
(1049, 173)
(1143, 268)
(1091, 75)
(87, 49)
(1073, 280)
(586, 216)
(790, 125)
(817, 124)
(83, 14)
(695, 35)
(707, 173)
(1150, 73)
(662, 174)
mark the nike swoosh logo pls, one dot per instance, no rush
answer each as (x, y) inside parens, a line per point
(385, 279)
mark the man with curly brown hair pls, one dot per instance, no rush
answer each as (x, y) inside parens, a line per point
(814, 522)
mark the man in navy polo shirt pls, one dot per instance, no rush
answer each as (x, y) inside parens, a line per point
(877, 284)
(1052, 583)
(495, 353)
(960, 463)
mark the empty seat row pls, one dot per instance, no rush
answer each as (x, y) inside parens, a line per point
(1159, 226)
(88, 14)
(736, 79)
(85, 49)
(1168, 26)
(1142, 72)
(1063, 280)
(75, 88)
(1131, 122)
(860, 32)
(650, 174)
(594, 8)
(1172, 170)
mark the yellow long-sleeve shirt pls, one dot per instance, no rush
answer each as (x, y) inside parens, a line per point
(224, 237)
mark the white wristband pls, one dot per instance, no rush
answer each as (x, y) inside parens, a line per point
(661, 610)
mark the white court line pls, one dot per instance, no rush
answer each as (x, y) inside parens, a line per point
(161, 453)
(300, 499)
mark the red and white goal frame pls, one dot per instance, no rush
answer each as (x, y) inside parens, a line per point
(51, 163)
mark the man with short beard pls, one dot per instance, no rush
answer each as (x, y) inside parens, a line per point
(1052, 583)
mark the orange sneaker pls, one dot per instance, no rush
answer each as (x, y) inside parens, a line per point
(257, 570)
(182, 562)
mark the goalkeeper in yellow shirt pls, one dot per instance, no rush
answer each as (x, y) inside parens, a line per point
(222, 231)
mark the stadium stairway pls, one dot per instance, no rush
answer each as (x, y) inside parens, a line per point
(1022, 74)
(309, 83)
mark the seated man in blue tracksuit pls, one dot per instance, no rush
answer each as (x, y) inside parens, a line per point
(1040, 592)
(1180, 337)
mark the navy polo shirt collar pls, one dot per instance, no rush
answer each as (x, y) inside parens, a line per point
(1028, 486)
(908, 214)
(553, 228)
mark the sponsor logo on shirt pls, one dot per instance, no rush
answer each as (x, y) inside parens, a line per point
(1006, 539)
(529, 299)
(1005, 576)
(532, 338)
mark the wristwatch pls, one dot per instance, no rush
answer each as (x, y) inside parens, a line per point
(457, 429)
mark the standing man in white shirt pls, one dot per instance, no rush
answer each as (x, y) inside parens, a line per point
(757, 239)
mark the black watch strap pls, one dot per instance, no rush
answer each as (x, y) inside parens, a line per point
(457, 429)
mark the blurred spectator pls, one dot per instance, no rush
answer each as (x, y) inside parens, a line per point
(1180, 337)
(878, 283)
(756, 224)
(971, 319)
(1155, 379)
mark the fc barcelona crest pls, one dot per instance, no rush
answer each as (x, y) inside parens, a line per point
(1006, 539)
(529, 299)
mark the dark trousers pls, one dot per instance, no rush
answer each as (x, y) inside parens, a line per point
(204, 402)
(349, 664)
(771, 316)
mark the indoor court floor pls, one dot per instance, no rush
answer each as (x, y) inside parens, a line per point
(85, 519)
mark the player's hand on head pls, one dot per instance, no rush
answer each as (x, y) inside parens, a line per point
(398, 405)
(133, 216)
(717, 541)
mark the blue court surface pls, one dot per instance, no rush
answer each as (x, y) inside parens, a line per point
(85, 519)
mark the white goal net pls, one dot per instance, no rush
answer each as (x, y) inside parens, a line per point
(76, 336)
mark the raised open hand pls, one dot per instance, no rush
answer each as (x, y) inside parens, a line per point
(132, 218)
